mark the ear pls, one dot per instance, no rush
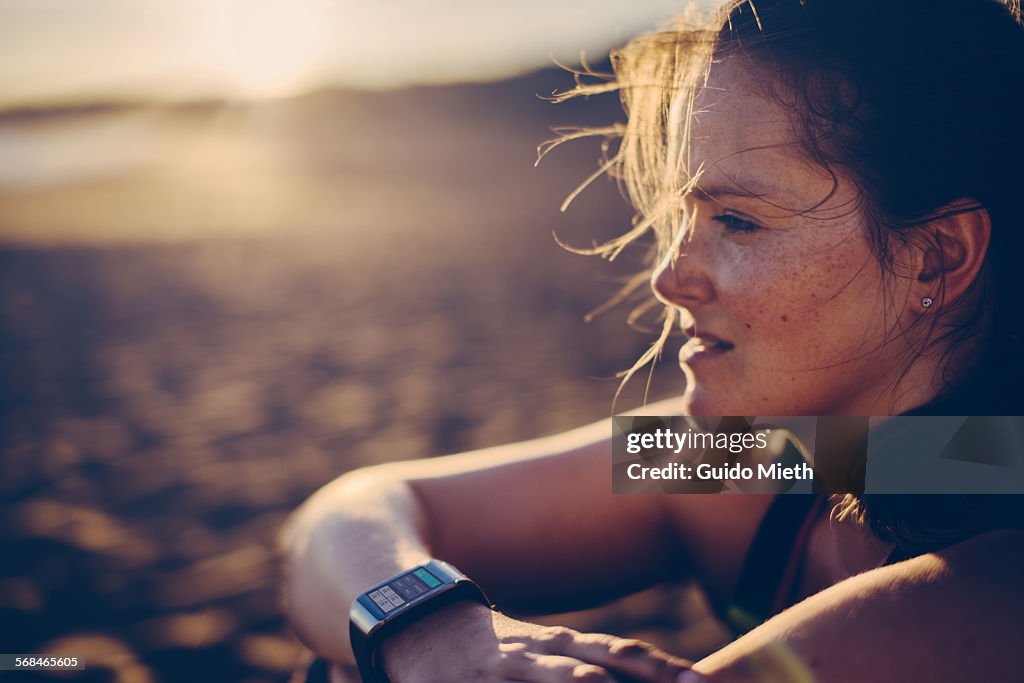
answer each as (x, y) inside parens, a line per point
(955, 253)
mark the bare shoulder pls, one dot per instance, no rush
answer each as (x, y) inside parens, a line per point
(985, 572)
(951, 615)
(1003, 547)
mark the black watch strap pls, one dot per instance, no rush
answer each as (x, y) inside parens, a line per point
(399, 601)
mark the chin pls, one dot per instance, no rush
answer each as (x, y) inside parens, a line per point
(697, 401)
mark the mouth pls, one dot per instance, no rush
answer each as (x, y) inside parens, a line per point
(703, 346)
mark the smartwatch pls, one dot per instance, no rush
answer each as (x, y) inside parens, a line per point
(401, 600)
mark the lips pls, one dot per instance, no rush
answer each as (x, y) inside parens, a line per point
(711, 343)
(707, 339)
(703, 345)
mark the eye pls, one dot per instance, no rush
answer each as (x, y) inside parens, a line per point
(735, 223)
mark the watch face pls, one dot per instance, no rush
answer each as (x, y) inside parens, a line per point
(404, 589)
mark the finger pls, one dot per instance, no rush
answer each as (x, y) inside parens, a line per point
(552, 640)
(530, 667)
(627, 656)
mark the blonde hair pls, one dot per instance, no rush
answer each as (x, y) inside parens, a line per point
(658, 77)
(931, 120)
(874, 88)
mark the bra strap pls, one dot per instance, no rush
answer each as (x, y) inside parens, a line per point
(771, 570)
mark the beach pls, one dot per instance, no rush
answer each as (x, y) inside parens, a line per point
(209, 310)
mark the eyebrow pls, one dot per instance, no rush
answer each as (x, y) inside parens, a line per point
(738, 186)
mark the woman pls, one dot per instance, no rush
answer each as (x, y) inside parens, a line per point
(833, 190)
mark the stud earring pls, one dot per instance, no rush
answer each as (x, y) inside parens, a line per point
(927, 302)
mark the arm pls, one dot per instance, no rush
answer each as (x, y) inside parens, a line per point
(947, 617)
(535, 524)
(515, 518)
(950, 616)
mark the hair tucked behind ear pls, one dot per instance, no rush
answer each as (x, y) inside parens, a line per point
(919, 100)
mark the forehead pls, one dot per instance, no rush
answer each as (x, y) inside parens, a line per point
(745, 143)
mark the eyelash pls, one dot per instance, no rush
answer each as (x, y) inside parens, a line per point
(735, 223)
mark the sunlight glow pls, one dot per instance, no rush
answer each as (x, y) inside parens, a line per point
(271, 48)
(62, 51)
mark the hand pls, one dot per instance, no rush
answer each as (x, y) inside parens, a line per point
(468, 643)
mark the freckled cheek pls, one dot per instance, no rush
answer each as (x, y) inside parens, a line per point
(762, 292)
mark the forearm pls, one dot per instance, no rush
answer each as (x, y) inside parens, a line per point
(502, 515)
(357, 531)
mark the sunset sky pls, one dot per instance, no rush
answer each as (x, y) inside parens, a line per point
(68, 50)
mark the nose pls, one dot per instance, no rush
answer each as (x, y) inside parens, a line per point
(682, 282)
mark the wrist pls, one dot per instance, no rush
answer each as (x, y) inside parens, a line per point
(399, 603)
(460, 613)
(401, 645)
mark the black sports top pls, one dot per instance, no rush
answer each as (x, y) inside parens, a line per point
(770, 576)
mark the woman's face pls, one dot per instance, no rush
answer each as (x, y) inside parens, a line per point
(787, 308)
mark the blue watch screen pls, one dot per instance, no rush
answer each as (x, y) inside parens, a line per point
(404, 589)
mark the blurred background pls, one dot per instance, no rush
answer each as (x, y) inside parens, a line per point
(246, 247)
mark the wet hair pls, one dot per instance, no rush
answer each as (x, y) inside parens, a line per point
(920, 103)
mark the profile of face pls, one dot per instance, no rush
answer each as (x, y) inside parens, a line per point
(787, 307)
